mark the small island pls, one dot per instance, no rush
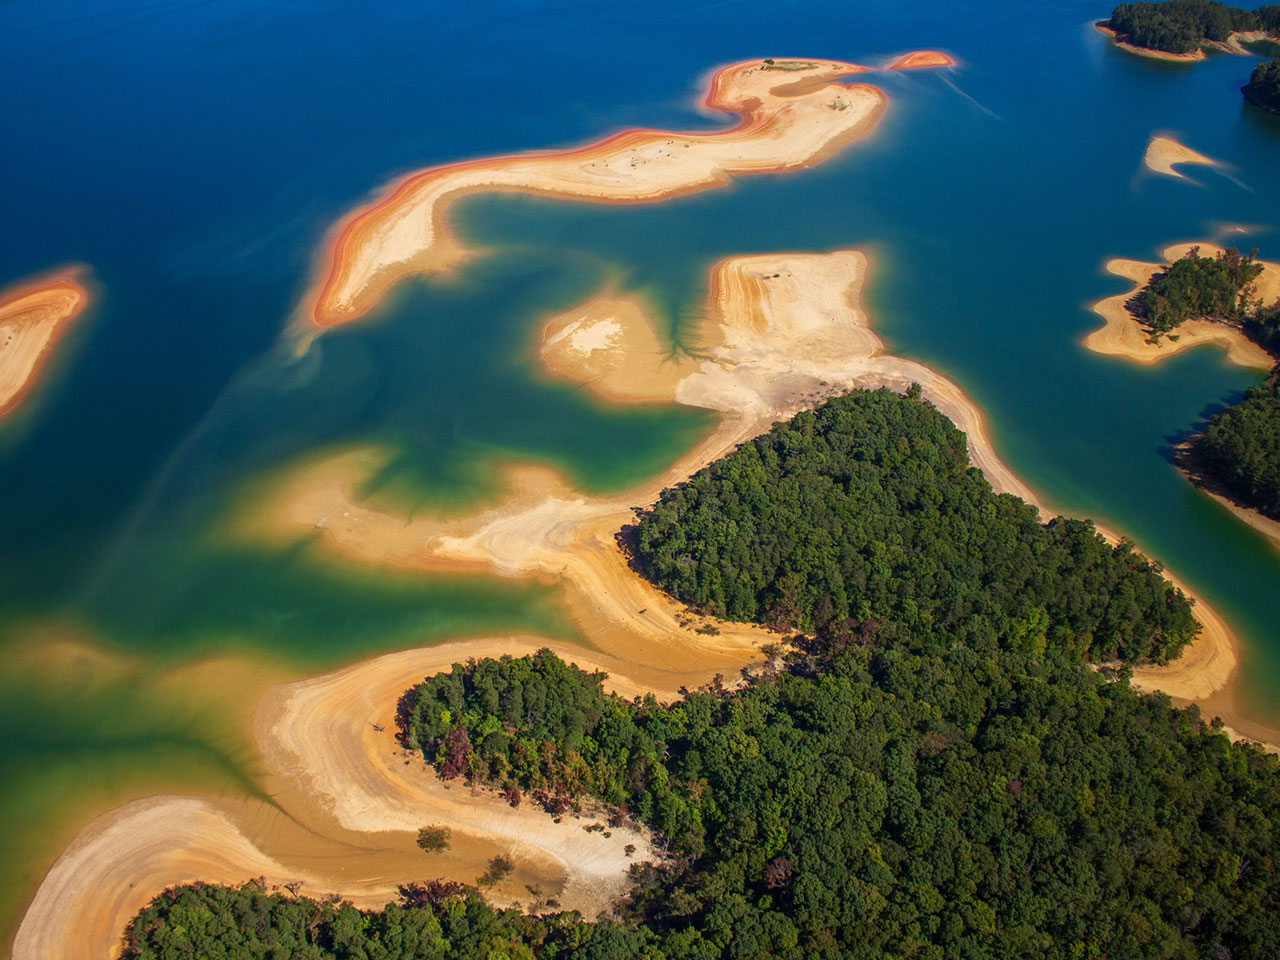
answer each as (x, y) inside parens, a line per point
(1263, 88)
(1181, 29)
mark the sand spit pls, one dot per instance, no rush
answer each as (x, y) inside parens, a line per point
(1163, 153)
(125, 857)
(921, 58)
(33, 317)
(793, 114)
(1123, 336)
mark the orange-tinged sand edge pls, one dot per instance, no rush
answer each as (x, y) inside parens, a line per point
(922, 58)
(792, 115)
(34, 316)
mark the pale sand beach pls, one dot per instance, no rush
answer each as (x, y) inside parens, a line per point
(793, 114)
(1123, 336)
(1163, 154)
(34, 315)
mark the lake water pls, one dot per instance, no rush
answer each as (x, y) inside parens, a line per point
(194, 154)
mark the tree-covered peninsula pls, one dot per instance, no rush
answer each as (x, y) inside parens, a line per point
(942, 778)
(1183, 26)
(1239, 451)
(1263, 88)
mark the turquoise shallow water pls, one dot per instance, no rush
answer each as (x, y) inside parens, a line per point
(194, 154)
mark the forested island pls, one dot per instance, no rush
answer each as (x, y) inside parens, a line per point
(936, 775)
(1263, 88)
(1194, 287)
(1184, 26)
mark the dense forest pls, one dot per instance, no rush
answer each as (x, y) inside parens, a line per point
(1195, 287)
(1263, 88)
(1181, 26)
(1239, 452)
(936, 779)
(1240, 448)
(868, 507)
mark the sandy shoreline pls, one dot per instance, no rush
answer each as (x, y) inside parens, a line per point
(793, 115)
(34, 315)
(782, 331)
(1163, 154)
(1185, 461)
(1121, 335)
(1234, 44)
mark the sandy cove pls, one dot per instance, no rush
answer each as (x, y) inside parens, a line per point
(1123, 336)
(793, 114)
(343, 813)
(1164, 153)
(34, 315)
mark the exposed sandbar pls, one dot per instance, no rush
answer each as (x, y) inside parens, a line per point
(1122, 335)
(1164, 153)
(922, 58)
(793, 114)
(33, 317)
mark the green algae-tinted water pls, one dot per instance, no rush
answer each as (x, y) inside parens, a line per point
(194, 160)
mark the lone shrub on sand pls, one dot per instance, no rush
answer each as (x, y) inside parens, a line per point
(499, 868)
(434, 839)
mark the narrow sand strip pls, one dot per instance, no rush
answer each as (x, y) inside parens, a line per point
(1197, 54)
(921, 58)
(33, 317)
(1163, 153)
(1122, 335)
(792, 112)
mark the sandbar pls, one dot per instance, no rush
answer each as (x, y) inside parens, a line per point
(1122, 335)
(922, 58)
(1163, 153)
(34, 315)
(793, 114)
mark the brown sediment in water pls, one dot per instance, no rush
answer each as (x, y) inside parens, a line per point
(1122, 334)
(793, 115)
(34, 315)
